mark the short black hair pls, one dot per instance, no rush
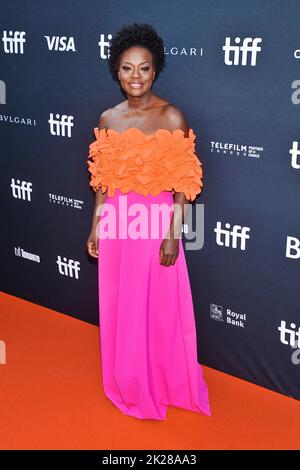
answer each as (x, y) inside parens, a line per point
(136, 34)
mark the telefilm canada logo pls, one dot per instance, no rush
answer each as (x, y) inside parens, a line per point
(236, 150)
(66, 201)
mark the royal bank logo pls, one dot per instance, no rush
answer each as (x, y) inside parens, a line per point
(68, 267)
(216, 312)
(2, 92)
(21, 189)
(61, 125)
(227, 316)
(292, 249)
(232, 237)
(295, 155)
(65, 201)
(13, 42)
(242, 52)
(60, 43)
(235, 150)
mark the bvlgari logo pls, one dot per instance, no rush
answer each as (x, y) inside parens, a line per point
(24, 121)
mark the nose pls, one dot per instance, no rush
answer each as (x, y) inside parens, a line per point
(135, 72)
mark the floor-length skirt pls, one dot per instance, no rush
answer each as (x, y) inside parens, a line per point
(148, 341)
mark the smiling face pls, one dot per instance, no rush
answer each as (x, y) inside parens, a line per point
(136, 70)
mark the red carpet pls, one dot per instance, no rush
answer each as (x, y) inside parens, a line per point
(51, 396)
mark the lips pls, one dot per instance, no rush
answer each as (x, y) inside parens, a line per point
(136, 85)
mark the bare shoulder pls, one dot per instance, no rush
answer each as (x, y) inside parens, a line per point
(105, 117)
(108, 116)
(175, 118)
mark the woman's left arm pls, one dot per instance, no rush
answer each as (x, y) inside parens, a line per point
(169, 248)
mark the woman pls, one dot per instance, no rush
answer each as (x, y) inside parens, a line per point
(143, 156)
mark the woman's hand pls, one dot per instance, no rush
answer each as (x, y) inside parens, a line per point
(92, 244)
(169, 250)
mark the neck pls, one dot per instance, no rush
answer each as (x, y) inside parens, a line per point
(139, 103)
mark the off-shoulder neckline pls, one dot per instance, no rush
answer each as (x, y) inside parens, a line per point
(110, 130)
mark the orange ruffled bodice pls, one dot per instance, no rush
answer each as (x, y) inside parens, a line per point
(133, 161)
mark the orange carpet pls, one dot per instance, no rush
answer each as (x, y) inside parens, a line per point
(51, 396)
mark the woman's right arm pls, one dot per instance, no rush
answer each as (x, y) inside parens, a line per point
(92, 241)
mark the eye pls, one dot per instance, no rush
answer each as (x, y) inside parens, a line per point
(125, 67)
(145, 68)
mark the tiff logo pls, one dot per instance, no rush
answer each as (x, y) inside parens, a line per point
(60, 43)
(2, 352)
(289, 336)
(249, 46)
(229, 238)
(104, 46)
(69, 267)
(295, 153)
(14, 42)
(292, 247)
(21, 190)
(2, 92)
(59, 125)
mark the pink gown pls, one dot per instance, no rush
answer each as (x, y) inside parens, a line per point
(148, 338)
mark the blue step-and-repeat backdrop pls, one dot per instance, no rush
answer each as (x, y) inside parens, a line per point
(233, 68)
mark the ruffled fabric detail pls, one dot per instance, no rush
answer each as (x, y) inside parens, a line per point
(134, 161)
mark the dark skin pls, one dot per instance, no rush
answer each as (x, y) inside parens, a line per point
(147, 112)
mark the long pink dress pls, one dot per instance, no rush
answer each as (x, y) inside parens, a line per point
(147, 326)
